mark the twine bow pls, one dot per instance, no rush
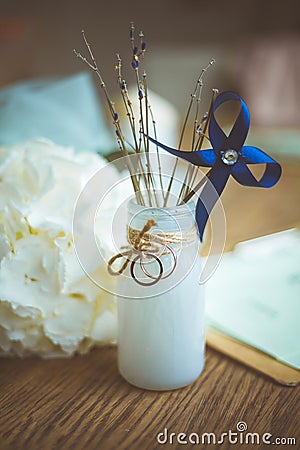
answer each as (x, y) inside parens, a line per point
(142, 246)
(138, 246)
(228, 156)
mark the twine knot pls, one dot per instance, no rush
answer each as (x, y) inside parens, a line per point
(138, 245)
(145, 246)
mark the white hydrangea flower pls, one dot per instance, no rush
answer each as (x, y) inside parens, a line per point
(48, 306)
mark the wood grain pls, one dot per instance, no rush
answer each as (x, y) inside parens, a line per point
(83, 403)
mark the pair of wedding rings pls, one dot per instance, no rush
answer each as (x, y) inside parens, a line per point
(143, 257)
(146, 255)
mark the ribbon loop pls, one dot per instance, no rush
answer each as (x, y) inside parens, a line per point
(239, 131)
(228, 156)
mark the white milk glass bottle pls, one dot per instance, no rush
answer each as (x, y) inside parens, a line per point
(161, 338)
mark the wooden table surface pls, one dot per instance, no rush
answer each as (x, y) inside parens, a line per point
(83, 403)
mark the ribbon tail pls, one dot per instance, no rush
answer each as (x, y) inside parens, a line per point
(210, 194)
(205, 158)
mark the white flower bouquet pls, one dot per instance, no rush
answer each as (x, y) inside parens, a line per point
(48, 306)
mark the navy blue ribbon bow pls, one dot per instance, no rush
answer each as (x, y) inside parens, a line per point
(229, 156)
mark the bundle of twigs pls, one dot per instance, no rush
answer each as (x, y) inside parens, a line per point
(149, 187)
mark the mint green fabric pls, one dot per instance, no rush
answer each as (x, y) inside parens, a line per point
(66, 110)
(254, 295)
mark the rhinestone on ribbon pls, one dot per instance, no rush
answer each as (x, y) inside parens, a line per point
(230, 157)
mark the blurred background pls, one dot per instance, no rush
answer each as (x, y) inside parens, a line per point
(256, 46)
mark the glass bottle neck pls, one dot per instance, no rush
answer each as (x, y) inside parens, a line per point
(167, 220)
